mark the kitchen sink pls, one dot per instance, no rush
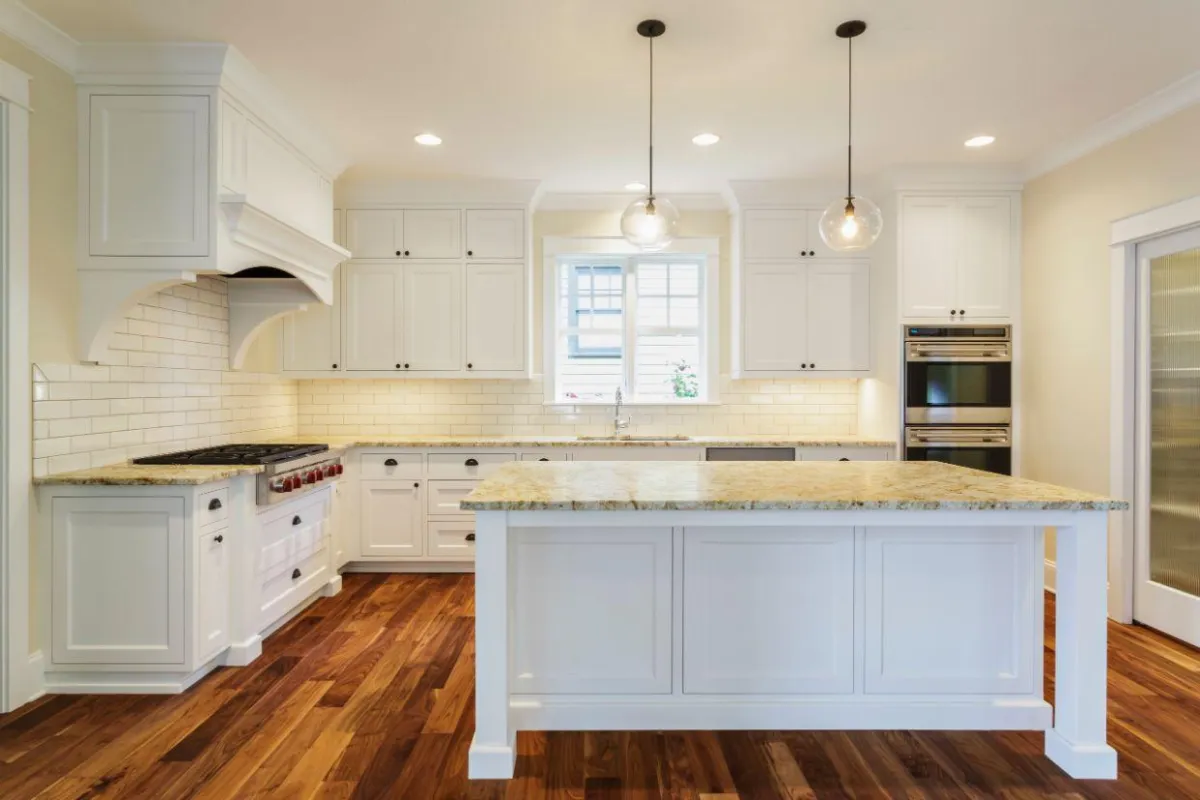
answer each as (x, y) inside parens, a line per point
(621, 437)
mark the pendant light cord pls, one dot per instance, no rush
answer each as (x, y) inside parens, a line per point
(651, 186)
(850, 122)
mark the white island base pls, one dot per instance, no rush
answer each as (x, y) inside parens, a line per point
(851, 619)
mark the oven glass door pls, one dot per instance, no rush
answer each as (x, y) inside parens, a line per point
(988, 459)
(945, 385)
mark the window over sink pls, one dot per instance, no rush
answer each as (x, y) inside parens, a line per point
(643, 322)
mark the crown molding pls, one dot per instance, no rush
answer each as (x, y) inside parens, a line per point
(1142, 114)
(39, 35)
(619, 201)
(352, 192)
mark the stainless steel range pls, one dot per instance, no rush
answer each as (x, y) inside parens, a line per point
(289, 469)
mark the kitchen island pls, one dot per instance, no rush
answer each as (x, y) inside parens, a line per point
(785, 595)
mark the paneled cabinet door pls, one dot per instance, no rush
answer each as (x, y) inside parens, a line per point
(391, 519)
(773, 327)
(775, 233)
(495, 317)
(433, 233)
(432, 317)
(374, 299)
(213, 597)
(929, 254)
(148, 187)
(984, 257)
(312, 339)
(375, 233)
(496, 233)
(838, 317)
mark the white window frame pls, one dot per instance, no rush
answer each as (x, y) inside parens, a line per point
(556, 249)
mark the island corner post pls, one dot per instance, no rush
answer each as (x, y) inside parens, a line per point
(983, 671)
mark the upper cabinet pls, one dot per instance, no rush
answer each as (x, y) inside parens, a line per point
(783, 234)
(957, 257)
(495, 233)
(412, 233)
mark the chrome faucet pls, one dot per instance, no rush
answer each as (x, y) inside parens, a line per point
(618, 423)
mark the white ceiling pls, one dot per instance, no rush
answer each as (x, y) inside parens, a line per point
(556, 89)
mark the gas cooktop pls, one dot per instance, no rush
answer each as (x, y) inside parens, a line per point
(237, 454)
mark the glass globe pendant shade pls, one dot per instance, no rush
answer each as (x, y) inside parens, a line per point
(650, 224)
(849, 225)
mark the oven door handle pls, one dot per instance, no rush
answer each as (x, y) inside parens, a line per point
(991, 354)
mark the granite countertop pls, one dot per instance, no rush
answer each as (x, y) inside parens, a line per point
(148, 475)
(730, 440)
(669, 486)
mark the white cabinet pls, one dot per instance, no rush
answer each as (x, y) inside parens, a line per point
(496, 233)
(213, 564)
(783, 234)
(391, 518)
(792, 587)
(805, 318)
(623, 453)
(148, 147)
(399, 233)
(844, 454)
(312, 339)
(374, 329)
(581, 631)
(432, 316)
(450, 540)
(495, 317)
(957, 257)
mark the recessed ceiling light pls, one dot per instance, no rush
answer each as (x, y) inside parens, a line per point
(427, 139)
(635, 187)
(705, 139)
(979, 141)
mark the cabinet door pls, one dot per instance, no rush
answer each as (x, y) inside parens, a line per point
(984, 257)
(816, 245)
(432, 317)
(929, 256)
(838, 317)
(495, 317)
(374, 294)
(375, 233)
(117, 572)
(498, 233)
(433, 233)
(312, 339)
(212, 615)
(773, 329)
(779, 233)
(148, 186)
(390, 524)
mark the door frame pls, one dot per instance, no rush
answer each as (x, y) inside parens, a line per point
(20, 672)
(1128, 413)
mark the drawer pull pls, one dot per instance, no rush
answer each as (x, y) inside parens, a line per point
(472, 462)
(843, 459)
(296, 520)
(543, 459)
(295, 573)
(214, 504)
(219, 538)
(391, 462)
(470, 537)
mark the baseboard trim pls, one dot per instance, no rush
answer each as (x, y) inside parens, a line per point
(126, 682)
(408, 566)
(1051, 576)
(35, 677)
(333, 587)
(239, 655)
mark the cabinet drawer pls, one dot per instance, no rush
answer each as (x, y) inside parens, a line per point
(391, 465)
(285, 522)
(444, 497)
(467, 465)
(212, 506)
(843, 454)
(451, 540)
(546, 455)
(283, 591)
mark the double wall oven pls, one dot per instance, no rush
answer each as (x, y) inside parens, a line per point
(958, 395)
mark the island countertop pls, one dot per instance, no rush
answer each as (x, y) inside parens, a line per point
(732, 486)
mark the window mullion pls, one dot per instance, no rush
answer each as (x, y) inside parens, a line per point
(630, 344)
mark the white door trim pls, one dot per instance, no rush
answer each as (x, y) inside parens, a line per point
(20, 678)
(1126, 409)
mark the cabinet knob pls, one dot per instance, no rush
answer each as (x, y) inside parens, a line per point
(399, 253)
(296, 520)
(214, 504)
(220, 537)
(335, 366)
(398, 366)
(406, 365)
(953, 312)
(405, 252)
(295, 573)
(812, 366)
(391, 462)
(416, 485)
(804, 366)
(470, 537)
(472, 462)
(470, 365)
(962, 312)
(470, 252)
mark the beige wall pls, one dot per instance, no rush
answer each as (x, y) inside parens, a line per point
(52, 191)
(1066, 291)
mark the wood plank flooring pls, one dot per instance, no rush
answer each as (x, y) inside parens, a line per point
(369, 695)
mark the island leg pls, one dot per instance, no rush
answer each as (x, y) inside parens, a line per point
(493, 751)
(1077, 743)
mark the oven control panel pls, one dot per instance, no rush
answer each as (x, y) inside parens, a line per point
(286, 483)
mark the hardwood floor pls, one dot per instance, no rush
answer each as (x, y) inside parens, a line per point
(369, 695)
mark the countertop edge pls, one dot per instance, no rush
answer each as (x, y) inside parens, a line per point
(901, 505)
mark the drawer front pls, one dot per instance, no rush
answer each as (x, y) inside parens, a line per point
(467, 465)
(843, 454)
(285, 522)
(451, 540)
(391, 465)
(212, 506)
(283, 592)
(281, 556)
(444, 497)
(546, 455)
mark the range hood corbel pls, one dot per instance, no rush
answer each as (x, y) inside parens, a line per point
(255, 302)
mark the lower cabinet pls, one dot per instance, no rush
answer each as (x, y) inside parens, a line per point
(391, 518)
(450, 540)
(213, 565)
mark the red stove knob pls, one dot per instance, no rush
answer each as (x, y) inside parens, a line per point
(330, 471)
(311, 477)
(338, 469)
(286, 485)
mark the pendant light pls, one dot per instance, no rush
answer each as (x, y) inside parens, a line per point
(851, 223)
(650, 222)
